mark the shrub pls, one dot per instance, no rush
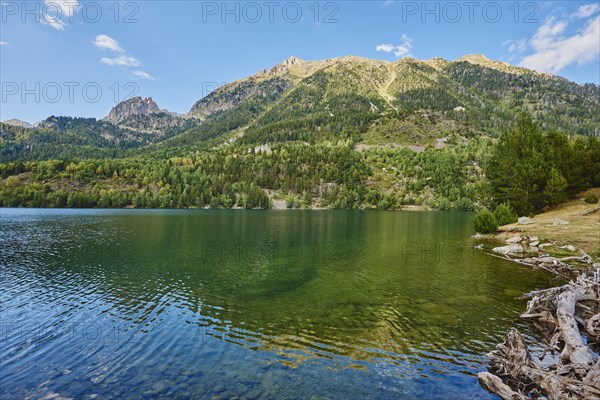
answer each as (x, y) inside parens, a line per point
(444, 204)
(464, 204)
(485, 222)
(12, 182)
(504, 214)
(388, 202)
(290, 201)
(591, 199)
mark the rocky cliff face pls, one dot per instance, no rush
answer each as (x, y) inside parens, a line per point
(132, 107)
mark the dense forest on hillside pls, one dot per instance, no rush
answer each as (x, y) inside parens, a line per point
(528, 169)
(63, 137)
(531, 170)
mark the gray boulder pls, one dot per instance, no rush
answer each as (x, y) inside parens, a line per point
(525, 221)
(514, 239)
(559, 222)
(511, 248)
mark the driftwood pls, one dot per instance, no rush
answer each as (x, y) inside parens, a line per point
(550, 264)
(495, 385)
(593, 326)
(558, 313)
(555, 265)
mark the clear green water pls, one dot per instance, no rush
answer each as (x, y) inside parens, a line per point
(253, 304)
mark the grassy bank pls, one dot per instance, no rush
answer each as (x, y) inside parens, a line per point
(582, 231)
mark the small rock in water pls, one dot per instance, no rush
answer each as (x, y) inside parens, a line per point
(525, 221)
(159, 387)
(477, 236)
(568, 247)
(514, 239)
(479, 247)
(512, 248)
(558, 222)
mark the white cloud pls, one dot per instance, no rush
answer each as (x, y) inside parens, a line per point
(548, 33)
(108, 43)
(105, 42)
(3, 43)
(515, 46)
(586, 11)
(67, 7)
(388, 48)
(143, 75)
(399, 50)
(57, 10)
(553, 51)
(123, 61)
(54, 22)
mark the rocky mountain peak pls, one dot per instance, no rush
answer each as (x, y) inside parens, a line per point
(480, 59)
(132, 107)
(285, 65)
(475, 59)
(18, 122)
(292, 61)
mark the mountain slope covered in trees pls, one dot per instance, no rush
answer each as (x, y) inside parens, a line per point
(346, 133)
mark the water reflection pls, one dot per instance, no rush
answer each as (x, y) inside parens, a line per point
(255, 304)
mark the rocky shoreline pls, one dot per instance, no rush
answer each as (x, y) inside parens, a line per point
(567, 316)
(531, 251)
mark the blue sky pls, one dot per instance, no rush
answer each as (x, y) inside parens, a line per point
(79, 57)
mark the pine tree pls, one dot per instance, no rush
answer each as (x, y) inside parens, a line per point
(517, 170)
(556, 188)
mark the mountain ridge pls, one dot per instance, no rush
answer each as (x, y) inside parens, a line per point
(294, 68)
(406, 102)
(489, 93)
(347, 133)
